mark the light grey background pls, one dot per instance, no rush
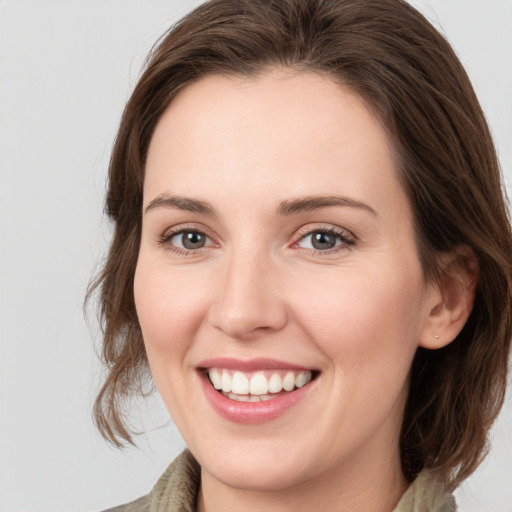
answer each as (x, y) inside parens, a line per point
(66, 70)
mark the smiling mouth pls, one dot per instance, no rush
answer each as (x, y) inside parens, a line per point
(257, 386)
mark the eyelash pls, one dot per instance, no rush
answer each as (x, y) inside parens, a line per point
(165, 240)
(347, 240)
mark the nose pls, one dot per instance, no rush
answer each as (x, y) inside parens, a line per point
(248, 301)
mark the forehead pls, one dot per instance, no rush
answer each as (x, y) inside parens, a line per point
(282, 132)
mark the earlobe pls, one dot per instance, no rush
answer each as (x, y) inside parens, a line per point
(452, 298)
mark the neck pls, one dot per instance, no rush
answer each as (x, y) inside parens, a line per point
(372, 485)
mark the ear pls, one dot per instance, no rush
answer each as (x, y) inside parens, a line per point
(450, 300)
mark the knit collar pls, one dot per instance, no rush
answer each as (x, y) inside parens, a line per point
(426, 494)
(177, 489)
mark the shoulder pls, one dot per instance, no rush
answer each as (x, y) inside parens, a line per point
(176, 490)
(141, 505)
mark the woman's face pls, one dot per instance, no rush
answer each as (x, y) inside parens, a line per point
(278, 253)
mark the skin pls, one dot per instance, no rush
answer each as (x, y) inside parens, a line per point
(258, 288)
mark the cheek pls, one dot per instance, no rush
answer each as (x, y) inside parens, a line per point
(169, 306)
(169, 311)
(364, 321)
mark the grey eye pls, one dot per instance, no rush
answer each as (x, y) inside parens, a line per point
(189, 240)
(322, 241)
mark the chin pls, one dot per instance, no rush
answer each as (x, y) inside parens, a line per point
(258, 473)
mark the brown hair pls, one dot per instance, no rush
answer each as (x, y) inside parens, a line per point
(389, 54)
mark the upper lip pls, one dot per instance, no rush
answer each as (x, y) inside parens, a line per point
(248, 365)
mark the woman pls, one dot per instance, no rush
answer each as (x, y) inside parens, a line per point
(312, 258)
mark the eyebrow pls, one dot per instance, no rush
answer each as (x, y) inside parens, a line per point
(182, 203)
(310, 203)
(285, 208)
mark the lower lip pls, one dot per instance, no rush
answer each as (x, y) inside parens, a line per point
(252, 412)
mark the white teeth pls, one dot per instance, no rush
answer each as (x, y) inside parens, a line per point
(239, 398)
(226, 382)
(275, 384)
(249, 398)
(215, 378)
(255, 386)
(301, 379)
(258, 384)
(240, 384)
(289, 381)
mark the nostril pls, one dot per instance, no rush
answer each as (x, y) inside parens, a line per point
(247, 299)
(245, 325)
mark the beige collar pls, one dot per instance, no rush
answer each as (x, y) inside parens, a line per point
(176, 491)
